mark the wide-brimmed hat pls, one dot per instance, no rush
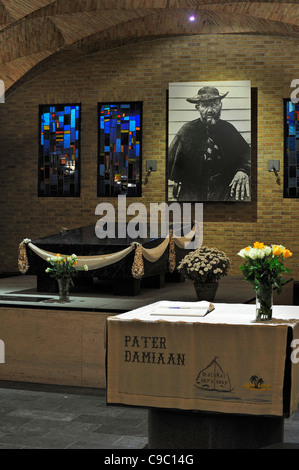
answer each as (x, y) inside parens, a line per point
(206, 93)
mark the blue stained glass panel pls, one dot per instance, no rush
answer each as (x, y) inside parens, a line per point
(59, 150)
(113, 134)
(73, 118)
(119, 141)
(118, 145)
(132, 126)
(67, 141)
(291, 146)
(292, 128)
(47, 119)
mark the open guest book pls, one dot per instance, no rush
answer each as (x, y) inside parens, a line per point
(190, 309)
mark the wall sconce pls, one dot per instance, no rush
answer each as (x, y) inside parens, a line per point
(274, 166)
(150, 165)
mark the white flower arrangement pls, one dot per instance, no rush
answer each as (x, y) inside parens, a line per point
(204, 265)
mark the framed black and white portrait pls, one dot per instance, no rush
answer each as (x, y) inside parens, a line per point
(209, 141)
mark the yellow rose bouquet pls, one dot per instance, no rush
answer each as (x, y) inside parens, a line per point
(263, 268)
(63, 269)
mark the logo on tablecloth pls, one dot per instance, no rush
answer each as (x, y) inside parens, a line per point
(256, 383)
(213, 378)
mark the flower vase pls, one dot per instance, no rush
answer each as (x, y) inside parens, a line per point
(264, 302)
(64, 289)
(206, 290)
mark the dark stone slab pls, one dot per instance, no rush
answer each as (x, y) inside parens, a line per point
(169, 429)
(83, 241)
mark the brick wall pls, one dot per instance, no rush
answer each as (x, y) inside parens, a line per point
(142, 72)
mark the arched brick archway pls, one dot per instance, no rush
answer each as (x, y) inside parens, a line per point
(40, 34)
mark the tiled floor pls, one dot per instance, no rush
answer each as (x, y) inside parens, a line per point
(291, 431)
(50, 417)
(53, 417)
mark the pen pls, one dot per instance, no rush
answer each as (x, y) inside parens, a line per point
(183, 308)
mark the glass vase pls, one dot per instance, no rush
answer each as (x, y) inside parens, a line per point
(64, 290)
(264, 303)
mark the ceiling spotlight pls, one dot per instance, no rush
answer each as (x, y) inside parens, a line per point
(191, 18)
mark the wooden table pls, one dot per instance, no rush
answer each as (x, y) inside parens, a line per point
(222, 380)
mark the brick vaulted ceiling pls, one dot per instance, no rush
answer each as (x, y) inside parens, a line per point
(36, 35)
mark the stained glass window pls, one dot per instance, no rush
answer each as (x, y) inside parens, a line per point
(291, 149)
(59, 150)
(119, 155)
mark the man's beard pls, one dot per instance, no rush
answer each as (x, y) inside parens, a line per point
(211, 121)
(213, 118)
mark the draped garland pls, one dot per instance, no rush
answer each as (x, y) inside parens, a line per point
(99, 261)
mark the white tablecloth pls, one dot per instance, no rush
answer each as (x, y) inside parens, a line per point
(222, 362)
(228, 314)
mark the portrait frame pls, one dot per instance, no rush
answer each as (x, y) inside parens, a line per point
(184, 119)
